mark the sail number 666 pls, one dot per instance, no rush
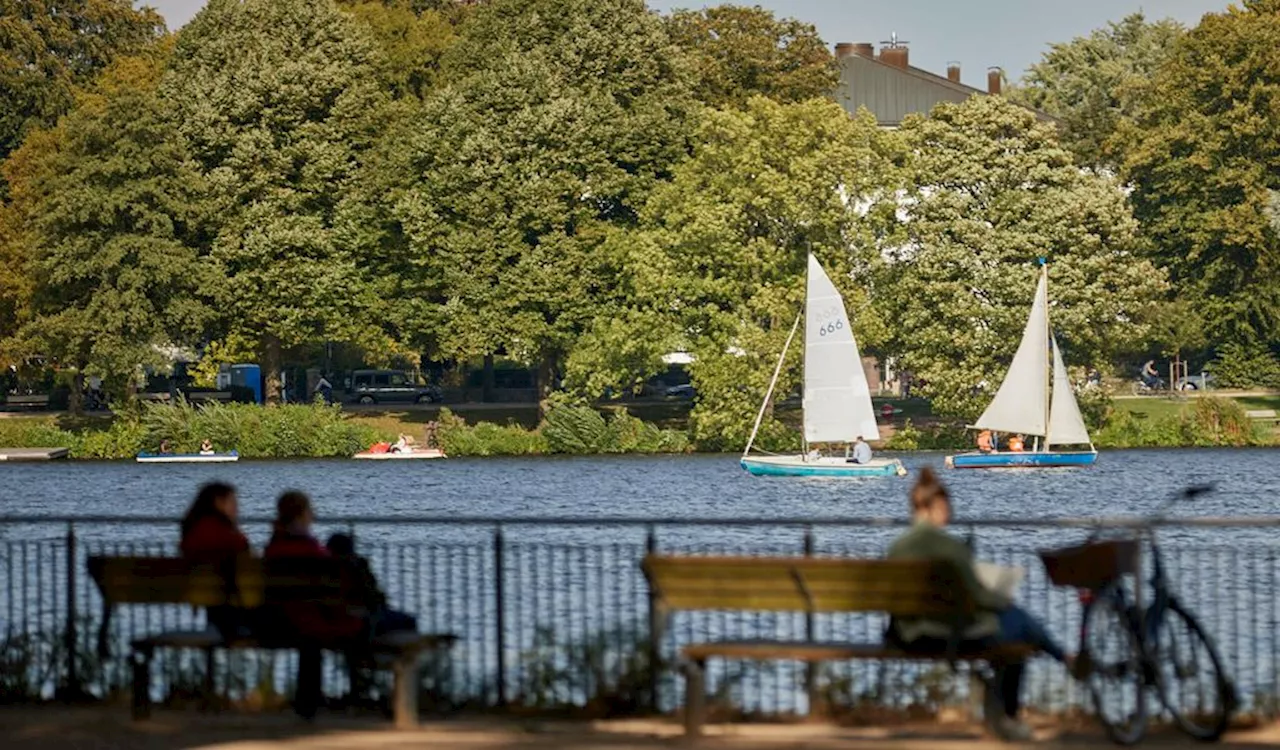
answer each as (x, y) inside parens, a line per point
(831, 327)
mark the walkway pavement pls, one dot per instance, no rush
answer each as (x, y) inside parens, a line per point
(108, 728)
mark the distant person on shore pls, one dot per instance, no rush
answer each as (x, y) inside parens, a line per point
(999, 622)
(324, 389)
(861, 452)
(1150, 375)
(383, 619)
(210, 534)
(432, 434)
(206, 447)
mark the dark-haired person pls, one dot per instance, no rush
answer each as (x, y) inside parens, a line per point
(384, 619)
(210, 535)
(312, 626)
(1000, 620)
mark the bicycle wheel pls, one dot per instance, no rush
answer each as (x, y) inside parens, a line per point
(1115, 681)
(1193, 685)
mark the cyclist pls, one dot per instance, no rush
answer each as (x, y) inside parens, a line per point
(1000, 621)
(1150, 375)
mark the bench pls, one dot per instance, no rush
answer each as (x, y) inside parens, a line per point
(28, 402)
(248, 583)
(1263, 415)
(203, 396)
(810, 585)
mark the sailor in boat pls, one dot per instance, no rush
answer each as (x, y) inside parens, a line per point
(1017, 444)
(861, 452)
(403, 444)
(206, 447)
(166, 449)
(985, 442)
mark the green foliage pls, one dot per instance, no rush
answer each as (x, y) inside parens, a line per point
(115, 278)
(412, 43)
(1206, 422)
(1203, 158)
(1246, 365)
(1093, 83)
(277, 101)
(991, 193)
(487, 439)
(905, 438)
(48, 48)
(737, 52)
(724, 262)
(580, 429)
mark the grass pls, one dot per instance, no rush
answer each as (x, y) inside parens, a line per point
(1154, 407)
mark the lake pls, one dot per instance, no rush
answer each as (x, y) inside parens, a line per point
(576, 582)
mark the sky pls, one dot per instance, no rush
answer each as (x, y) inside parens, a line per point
(1010, 34)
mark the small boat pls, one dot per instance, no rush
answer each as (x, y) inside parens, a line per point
(837, 402)
(416, 453)
(187, 458)
(1030, 403)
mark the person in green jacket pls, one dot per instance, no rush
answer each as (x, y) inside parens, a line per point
(1000, 620)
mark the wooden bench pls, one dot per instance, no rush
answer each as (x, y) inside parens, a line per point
(28, 402)
(810, 585)
(248, 583)
(1263, 415)
(203, 396)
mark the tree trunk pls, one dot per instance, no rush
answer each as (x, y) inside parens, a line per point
(272, 360)
(546, 382)
(488, 383)
(75, 404)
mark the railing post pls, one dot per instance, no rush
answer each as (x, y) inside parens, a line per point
(500, 601)
(73, 678)
(655, 626)
(811, 669)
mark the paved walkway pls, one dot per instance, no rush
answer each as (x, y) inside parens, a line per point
(103, 728)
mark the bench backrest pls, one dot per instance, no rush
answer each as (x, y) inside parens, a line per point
(911, 588)
(242, 582)
(1261, 414)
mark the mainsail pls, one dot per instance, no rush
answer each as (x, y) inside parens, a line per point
(1066, 425)
(1021, 404)
(837, 401)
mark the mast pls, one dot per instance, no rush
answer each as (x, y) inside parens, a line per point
(777, 370)
(1048, 376)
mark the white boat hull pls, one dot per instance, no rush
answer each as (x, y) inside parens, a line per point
(187, 458)
(803, 466)
(419, 454)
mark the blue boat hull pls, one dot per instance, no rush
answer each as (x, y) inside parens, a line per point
(797, 466)
(1027, 460)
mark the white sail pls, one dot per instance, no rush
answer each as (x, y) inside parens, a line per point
(837, 401)
(1021, 404)
(1066, 425)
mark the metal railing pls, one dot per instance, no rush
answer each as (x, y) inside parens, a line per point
(556, 614)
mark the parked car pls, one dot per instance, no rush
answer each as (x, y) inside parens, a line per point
(681, 391)
(1196, 382)
(389, 386)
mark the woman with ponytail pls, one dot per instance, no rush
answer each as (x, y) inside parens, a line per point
(1000, 621)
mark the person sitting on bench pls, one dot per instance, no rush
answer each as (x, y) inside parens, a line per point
(210, 535)
(1000, 622)
(384, 620)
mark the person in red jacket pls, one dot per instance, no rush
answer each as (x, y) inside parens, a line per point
(310, 625)
(210, 535)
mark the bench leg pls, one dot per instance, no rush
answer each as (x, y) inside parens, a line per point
(141, 663)
(405, 692)
(306, 698)
(695, 698)
(208, 700)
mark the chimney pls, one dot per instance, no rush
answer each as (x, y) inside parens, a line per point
(865, 49)
(953, 72)
(895, 56)
(845, 49)
(994, 76)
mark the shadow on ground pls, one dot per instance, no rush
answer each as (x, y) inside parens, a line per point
(108, 728)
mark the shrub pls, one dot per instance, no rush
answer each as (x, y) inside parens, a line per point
(1206, 422)
(905, 438)
(1246, 366)
(457, 438)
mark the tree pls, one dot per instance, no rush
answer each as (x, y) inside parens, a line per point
(49, 48)
(992, 192)
(114, 279)
(738, 52)
(413, 43)
(731, 234)
(278, 101)
(1094, 82)
(1204, 160)
(561, 117)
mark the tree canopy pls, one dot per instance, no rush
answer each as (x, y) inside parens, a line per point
(1093, 83)
(1204, 161)
(49, 48)
(737, 52)
(991, 192)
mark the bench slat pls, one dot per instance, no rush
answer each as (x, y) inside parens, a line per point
(820, 652)
(169, 580)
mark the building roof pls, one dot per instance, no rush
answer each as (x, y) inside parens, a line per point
(891, 92)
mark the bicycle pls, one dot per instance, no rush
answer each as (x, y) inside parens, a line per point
(1131, 647)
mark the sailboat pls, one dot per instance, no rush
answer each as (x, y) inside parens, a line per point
(837, 401)
(1026, 404)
